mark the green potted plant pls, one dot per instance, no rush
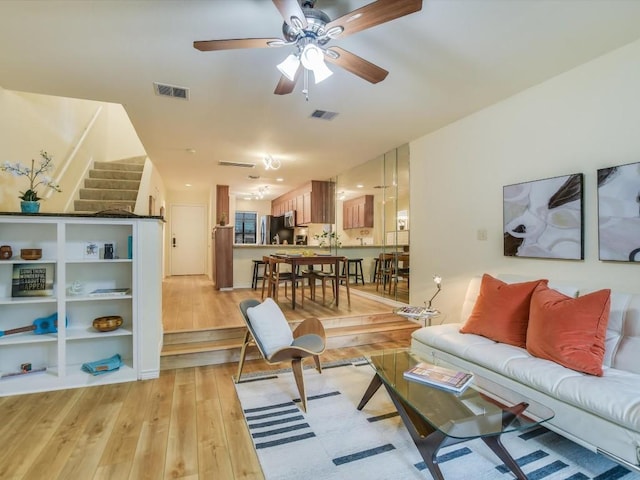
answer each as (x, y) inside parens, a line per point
(328, 239)
(30, 200)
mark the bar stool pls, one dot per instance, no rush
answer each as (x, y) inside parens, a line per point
(357, 273)
(384, 270)
(256, 273)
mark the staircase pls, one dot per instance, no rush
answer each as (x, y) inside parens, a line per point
(222, 345)
(111, 186)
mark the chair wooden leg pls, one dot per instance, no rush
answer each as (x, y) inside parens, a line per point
(316, 358)
(296, 366)
(265, 279)
(243, 353)
(346, 282)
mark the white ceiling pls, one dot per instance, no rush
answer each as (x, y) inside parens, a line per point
(445, 62)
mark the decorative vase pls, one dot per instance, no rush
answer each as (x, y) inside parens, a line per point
(29, 207)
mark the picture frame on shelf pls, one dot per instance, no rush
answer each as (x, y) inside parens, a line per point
(33, 280)
(91, 251)
(619, 213)
(545, 218)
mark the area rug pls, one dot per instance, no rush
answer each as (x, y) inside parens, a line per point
(334, 440)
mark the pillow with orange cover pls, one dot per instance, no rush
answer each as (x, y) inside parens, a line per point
(501, 311)
(569, 331)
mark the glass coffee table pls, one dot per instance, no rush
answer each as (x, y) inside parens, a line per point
(436, 418)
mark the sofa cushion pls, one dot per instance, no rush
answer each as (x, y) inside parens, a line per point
(569, 331)
(501, 311)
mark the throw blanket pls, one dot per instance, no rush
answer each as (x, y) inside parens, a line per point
(103, 366)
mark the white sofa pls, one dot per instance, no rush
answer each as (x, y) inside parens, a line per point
(600, 413)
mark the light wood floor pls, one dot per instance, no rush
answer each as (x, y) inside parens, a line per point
(187, 424)
(191, 303)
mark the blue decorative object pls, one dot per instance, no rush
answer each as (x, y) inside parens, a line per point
(29, 207)
(105, 365)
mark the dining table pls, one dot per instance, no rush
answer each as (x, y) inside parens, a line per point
(296, 260)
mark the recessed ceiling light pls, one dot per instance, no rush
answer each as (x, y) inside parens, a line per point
(191, 150)
(188, 185)
(279, 179)
(360, 185)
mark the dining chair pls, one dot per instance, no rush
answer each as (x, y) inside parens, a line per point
(276, 276)
(329, 276)
(269, 331)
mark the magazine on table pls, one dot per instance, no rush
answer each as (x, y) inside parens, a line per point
(441, 377)
(414, 312)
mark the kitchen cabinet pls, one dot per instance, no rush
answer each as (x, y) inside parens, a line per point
(314, 202)
(76, 281)
(358, 212)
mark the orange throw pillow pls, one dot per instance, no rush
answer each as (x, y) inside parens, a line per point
(569, 331)
(501, 311)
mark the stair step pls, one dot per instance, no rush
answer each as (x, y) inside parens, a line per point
(107, 194)
(100, 205)
(121, 166)
(112, 183)
(115, 174)
(182, 349)
(132, 160)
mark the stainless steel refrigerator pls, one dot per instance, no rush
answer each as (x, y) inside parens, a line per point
(273, 231)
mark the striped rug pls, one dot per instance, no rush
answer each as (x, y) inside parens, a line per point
(334, 440)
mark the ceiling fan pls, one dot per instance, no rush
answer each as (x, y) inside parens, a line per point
(309, 30)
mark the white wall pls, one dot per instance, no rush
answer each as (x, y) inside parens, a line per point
(31, 122)
(582, 120)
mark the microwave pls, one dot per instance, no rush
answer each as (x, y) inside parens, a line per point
(290, 219)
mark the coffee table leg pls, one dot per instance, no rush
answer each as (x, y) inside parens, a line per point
(496, 447)
(371, 389)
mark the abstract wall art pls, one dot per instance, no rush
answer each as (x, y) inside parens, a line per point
(544, 218)
(619, 213)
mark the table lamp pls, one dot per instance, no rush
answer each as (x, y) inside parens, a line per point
(437, 279)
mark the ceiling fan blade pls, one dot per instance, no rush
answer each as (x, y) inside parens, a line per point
(229, 44)
(356, 65)
(374, 14)
(286, 86)
(290, 9)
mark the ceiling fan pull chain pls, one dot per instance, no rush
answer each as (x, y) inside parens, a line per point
(305, 85)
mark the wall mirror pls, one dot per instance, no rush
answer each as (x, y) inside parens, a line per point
(373, 222)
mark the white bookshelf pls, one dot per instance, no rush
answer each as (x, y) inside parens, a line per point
(64, 240)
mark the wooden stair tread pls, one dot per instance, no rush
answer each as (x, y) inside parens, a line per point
(195, 347)
(236, 342)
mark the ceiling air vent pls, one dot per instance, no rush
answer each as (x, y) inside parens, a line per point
(171, 91)
(237, 164)
(324, 115)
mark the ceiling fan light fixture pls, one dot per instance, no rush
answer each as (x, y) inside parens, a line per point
(321, 72)
(311, 56)
(289, 66)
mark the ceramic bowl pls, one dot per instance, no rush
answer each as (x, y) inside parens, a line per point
(107, 323)
(31, 253)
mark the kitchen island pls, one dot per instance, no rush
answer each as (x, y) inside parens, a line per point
(243, 256)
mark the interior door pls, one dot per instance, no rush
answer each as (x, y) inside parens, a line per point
(188, 239)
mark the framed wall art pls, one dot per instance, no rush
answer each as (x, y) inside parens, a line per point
(619, 213)
(33, 280)
(544, 218)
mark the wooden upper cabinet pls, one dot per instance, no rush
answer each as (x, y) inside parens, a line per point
(358, 213)
(314, 202)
